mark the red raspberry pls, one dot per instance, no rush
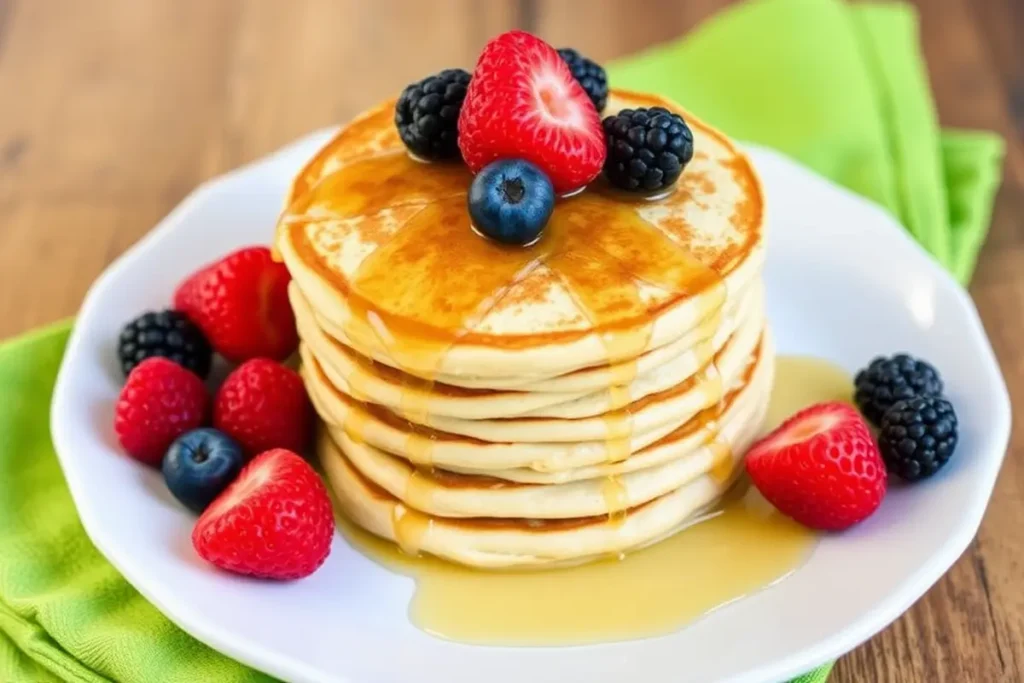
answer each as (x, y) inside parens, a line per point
(523, 102)
(241, 304)
(263, 405)
(821, 467)
(273, 522)
(159, 402)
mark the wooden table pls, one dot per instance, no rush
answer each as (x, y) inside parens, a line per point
(111, 112)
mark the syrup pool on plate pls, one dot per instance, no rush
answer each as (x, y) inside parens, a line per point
(736, 550)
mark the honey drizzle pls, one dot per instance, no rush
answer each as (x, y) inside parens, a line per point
(354, 425)
(722, 460)
(616, 499)
(418, 490)
(582, 269)
(411, 527)
(430, 281)
(741, 547)
(721, 469)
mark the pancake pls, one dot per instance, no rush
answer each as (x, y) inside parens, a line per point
(493, 543)
(425, 446)
(447, 494)
(584, 379)
(367, 380)
(362, 210)
(673, 406)
(531, 406)
(737, 408)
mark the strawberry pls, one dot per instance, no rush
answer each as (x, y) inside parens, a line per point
(274, 521)
(241, 304)
(523, 102)
(159, 402)
(264, 405)
(821, 467)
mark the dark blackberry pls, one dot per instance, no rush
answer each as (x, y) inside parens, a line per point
(887, 380)
(169, 334)
(647, 148)
(427, 114)
(918, 436)
(589, 75)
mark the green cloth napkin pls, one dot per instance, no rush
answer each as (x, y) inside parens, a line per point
(841, 88)
(65, 612)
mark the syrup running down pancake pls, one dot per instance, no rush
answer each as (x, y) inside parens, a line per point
(527, 406)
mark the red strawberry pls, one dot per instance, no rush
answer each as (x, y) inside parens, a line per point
(523, 102)
(159, 402)
(274, 521)
(263, 405)
(821, 467)
(241, 304)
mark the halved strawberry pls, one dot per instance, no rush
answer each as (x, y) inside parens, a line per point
(821, 467)
(523, 102)
(274, 521)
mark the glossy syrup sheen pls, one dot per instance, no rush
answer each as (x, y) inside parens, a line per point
(426, 286)
(736, 550)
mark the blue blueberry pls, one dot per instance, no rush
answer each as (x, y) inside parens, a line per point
(199, 465)
(510, 201)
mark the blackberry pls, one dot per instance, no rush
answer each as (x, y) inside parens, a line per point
(647, 148)
(887, 380)
(169, 334)
(589, 75)
(427, 114)
(918, 436)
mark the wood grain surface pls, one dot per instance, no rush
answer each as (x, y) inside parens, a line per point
(111, 112)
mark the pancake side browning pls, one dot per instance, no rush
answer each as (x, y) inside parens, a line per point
(538, 406)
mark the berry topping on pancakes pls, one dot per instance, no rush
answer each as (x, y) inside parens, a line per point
(523, 102)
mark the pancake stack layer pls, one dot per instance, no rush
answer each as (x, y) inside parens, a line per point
(537, 406)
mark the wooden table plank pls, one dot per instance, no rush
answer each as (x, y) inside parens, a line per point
(109, 128)
(1003, 24)
(288, 76)
(113, 111)
(603, 29)
(969, 87)
(968, 627)
(124, 104)
(976, 42)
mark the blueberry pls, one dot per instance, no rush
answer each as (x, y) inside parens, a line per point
(510, 201)
(199, 465)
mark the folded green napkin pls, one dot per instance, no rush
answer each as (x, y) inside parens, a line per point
(65, 612)
(841, 88)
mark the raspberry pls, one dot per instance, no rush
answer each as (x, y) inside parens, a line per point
(241, 303)
(263, 405)
(159, 402)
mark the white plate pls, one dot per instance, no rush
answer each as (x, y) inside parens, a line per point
(844, 282)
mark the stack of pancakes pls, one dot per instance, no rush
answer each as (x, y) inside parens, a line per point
(531, 406)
